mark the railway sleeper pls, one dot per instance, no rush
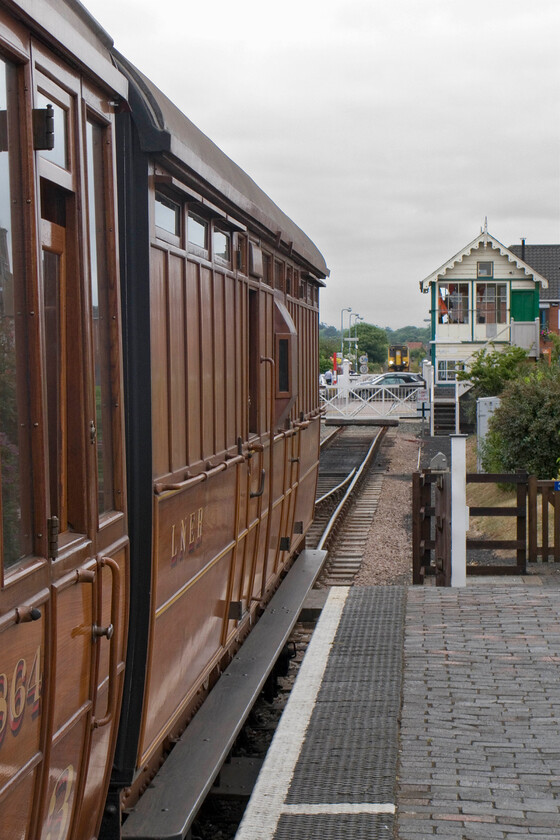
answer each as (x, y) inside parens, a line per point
(169, 806)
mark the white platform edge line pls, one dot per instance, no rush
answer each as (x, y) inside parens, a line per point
(265, 805)
(340, 808)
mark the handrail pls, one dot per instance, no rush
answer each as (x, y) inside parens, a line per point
(193, 480)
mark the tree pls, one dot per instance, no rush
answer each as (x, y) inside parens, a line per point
(403, 335)
(524, 430)
(373, 342)
(327, 347)
(325, 331)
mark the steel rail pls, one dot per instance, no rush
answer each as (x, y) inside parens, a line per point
(364, 465)
(338, 487)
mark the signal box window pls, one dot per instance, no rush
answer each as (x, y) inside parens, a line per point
(447, 370)
(491, 303)
(485, 269)
(453, 303)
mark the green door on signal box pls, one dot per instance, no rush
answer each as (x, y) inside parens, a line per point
(525, 305)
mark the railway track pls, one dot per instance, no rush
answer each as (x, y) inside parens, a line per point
(349, 488)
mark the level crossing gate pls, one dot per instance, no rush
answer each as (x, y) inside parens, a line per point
(370, 400)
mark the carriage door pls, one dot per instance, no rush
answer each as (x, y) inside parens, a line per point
(80, 485)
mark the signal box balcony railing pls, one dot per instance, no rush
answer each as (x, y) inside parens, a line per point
(363, 400)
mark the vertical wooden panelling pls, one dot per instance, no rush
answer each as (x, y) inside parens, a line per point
(177, 351)
(207, 362)
(219, 404)
(194, 443)
(239, 297)
(159, 344)
(230, 361)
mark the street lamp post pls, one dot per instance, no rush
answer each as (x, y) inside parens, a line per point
(346, 309)
(355, 339)
(358, 318)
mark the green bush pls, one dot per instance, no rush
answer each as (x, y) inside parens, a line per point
(524, 430)
(490, 370)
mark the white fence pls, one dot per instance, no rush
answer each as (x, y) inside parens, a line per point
(372, 400)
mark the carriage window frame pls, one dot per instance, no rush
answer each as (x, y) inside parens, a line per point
(65, 99)
(13, 297)
(202, 222)
(267, 269)
(174, 237)
(279, 276)
(221, 257)
(284, 351)
(241, 262)
(109, 492)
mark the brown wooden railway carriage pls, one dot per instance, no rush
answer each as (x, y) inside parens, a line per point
(221, 327)
(64, 545)
(219, 408)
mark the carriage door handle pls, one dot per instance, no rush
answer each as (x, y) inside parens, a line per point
(112, 635)
(260, 491)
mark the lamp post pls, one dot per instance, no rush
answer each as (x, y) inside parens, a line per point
(358, 318)
(346, 309)
(350, 339)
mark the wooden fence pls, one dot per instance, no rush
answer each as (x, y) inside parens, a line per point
(544, 521)
(431, 544)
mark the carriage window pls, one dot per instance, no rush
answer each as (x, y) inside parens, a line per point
(267, 269)
(283, 365)
(241, 254)
(101, 317)
(279, 275)
(222, 245)
(15, 486)
(198, 232)
(168, 215)
(59, 154)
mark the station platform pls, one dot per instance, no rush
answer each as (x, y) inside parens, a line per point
(421, 712)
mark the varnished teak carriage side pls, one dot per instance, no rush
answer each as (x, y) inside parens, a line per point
(64, 537)
(159, 316)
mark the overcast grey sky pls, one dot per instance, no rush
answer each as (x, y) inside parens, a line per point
(386, 130)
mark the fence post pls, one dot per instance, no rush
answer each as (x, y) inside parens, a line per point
(521, 554)
(458, 510)
(556, 508)
(416, 529)
(532, 507)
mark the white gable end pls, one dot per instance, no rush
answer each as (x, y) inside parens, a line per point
(507, 266)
